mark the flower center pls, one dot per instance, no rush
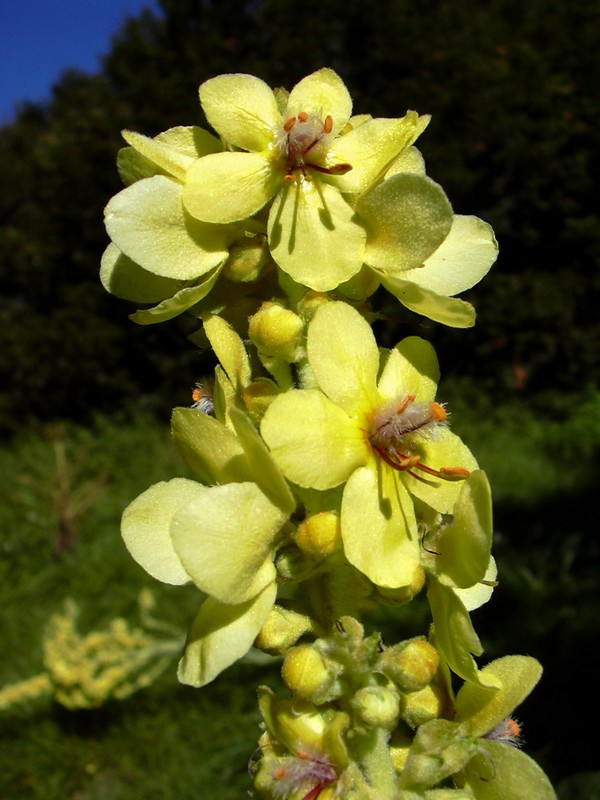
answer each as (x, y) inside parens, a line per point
(304, 143)
(394, 430)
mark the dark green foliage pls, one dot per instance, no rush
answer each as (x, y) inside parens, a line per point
(514, 139)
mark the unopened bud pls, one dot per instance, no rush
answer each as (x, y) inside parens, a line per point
(293, 565)
(319, 535)
(411, 664)
(276, 331)
(377, 706)
(282, 629)
(309, 675)
(420, 707)
(247, 260)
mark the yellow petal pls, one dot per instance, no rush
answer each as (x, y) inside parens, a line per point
(344, 356)
(314, 442)
(242, 109)
(227, 187)
(379, 528)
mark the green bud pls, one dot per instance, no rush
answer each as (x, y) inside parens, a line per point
(399, 746)
(377, 706)
(276, 331)
(258, 396)
(319, 535)
(309, 675)
(293, 565)
(247, 260)
(282, 629)
(411, 664)
(422, 706)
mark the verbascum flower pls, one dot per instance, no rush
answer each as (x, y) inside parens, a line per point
(417, 248)
(384, 437)
(221, 537)
(304, 154)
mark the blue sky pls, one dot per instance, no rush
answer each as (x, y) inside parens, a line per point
(41, 38)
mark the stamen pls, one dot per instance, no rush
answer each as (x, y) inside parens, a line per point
(289, 124)
(406, 419)
(302, 116)
(328, 124)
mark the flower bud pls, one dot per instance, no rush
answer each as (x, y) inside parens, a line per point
(377, 706)
(293, 565)
(247, 260)
(258, 396)
(319, 535)
(309, 675)
(282, 629)
(424, 705)
(276, 331)
(411, 664)
(399, 747)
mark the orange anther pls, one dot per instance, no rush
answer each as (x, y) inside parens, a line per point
(438, 413)
(513, 728)
(328, 124)
(289, 124)
(454, 473)
(406, 401)
(278, 773)
(302, 116)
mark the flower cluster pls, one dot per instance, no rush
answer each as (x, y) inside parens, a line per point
(324, 478)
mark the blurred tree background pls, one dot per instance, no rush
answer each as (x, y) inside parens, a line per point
(512, 88)
(515, 138)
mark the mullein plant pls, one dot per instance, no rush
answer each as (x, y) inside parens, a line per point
(327, 481)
